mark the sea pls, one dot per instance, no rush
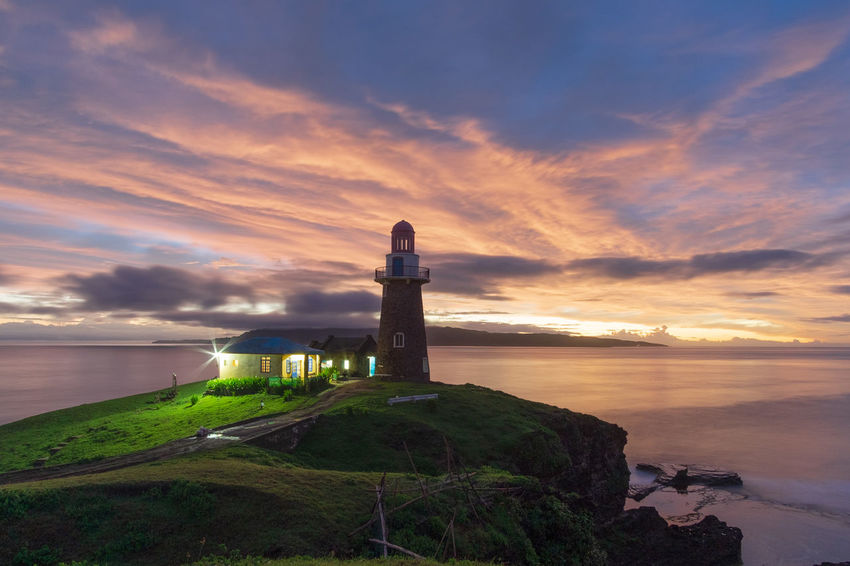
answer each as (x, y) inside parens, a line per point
(779, 417)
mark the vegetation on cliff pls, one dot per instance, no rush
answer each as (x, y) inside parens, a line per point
(507, 480)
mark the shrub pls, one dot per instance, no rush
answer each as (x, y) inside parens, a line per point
(236, 386)
(332, 374)
(191, 497)
(44, 556)
(193, 400)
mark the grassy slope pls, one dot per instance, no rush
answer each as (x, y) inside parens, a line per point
(124, 425)
(305, 561)
(269, 503)
(364, 433)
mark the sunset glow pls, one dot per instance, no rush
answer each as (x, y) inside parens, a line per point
(673, 173)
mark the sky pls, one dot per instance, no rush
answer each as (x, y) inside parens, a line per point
(672, 170)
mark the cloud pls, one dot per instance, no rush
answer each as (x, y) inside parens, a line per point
(481, 275)
(752, 294)
(10, 308)
(318, 302)
(841, 289)
(837, 318)
(249, 321)
(5, 278)
(152, 289)
(698, 265)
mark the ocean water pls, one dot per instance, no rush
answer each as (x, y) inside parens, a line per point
(780, 417)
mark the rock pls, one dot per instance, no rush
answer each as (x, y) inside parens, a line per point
(833, 564)
(641, 537)
(203, 432)
(40, 462)
(680, 477)
(639, 492)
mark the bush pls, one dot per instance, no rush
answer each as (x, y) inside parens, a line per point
(193, 400)
(332, 374)
(44, 556)
(236, 386)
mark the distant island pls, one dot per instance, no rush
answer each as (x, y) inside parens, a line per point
(437, 336)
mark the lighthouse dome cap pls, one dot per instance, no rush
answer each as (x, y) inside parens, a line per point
(402, 226)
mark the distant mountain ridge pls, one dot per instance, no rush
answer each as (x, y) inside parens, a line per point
(438, 336)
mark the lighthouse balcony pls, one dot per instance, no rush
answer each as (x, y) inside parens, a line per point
(403, 272)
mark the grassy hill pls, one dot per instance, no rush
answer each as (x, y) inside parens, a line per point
(507, 480)
(129, 424)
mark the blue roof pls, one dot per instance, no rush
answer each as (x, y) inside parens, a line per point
(269, 345)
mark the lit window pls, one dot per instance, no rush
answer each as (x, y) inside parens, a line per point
(265, 364)
(309, 363)
(398, 340)
(235, 362)
(345, 364)
(288, 365)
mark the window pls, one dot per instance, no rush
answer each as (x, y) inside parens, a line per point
(224, 361)
(345, 365)
(424, 365)
(309, 363)
(265, 364)
(235, 362)
(288, 365)
(398, 340)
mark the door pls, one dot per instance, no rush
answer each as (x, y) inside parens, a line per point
(371, 366)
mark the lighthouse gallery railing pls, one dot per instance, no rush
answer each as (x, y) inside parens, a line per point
(403, 272)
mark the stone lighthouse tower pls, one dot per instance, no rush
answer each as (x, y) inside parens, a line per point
(402, 348)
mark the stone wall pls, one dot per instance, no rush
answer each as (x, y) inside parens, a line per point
(401, 311)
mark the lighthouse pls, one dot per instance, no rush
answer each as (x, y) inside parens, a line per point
(402, 347)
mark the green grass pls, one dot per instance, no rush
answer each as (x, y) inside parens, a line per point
(240, 498)
(484, 427)
(309, 561)
(120, 426)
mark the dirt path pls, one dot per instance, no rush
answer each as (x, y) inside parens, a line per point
(224, 435)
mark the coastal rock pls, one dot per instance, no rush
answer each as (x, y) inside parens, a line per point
(641, 537)
(595, 465)
(680, 477)
(639, 492)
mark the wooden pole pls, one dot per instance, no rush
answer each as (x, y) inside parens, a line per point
(418, 478)
(396, 547)
(380, 491)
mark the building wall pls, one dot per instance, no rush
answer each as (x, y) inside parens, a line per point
(358, 363)
(401, 311)
(249, 365)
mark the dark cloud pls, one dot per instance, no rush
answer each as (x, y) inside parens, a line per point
(838, 318)
(9, 308)
(4, 277)
(752, 294)
(698, 265)
(841, 289)
(318, 302)
(480, 275)
(152, 289)
(247, 321)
